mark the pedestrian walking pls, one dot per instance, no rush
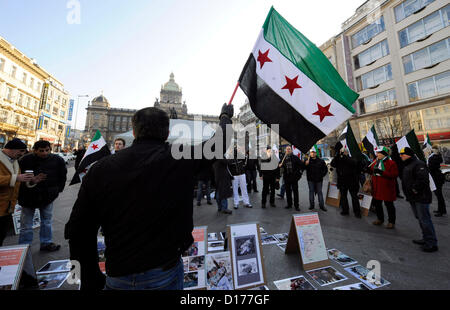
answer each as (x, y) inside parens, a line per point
(384, 175)
(224, 185)
(11, 177)
(251, 171)
(434, 165)
(237, 168)
(416, 187)
(316, 170)
(142, 198)
(292, 172)
(269, 178)
(348, 174)
(50, 178)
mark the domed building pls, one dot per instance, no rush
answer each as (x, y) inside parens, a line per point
(114, 121)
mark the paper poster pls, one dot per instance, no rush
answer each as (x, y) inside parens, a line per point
(101, 247)
(247, 262)
(219, 274)
(326, 276)
(282, 238)
(55, 266)
(365, 201)
(11, 263)
(294, 284)
(352, 287)
(334, 191)
(216, 246)
(51, 281)
(268, 239)
(309, 232)
(361, 273)
(194, 258)
(340, 258)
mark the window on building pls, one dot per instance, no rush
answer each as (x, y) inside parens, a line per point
(31, 83)
(429, 87)
(409, 7)
(36, 105)
(28, 103)
(38, 86)
(364, 35)
(62, 114)
(20, 100)
(9, 93)
(55, 111)
(13, 71)
(45, 124)
(47, 107)
(96, 116)
(372, 54)
(378, 102)
(2, 64)
(374, 78)
(425, 27)
(427, 57)
(24, 78)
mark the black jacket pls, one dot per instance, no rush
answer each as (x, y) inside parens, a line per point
(270, 175)
(348, 172)
(237, 165)
(79, 156)
(434, 165)
(416, 181)
(252, 164)
(142, 198)
(223, 179)
(316, 170)
(48, 190)
(292, 168)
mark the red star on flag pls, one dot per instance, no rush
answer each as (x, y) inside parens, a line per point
(94, 146)
(263, 58)
(291, 84)
(323, 111)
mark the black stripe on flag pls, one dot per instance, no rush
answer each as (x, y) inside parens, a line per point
(88, 160)
(368, 146)
(270, 108)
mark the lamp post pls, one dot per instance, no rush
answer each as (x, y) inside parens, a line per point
(76, 111)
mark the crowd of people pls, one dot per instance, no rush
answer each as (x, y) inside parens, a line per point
(145, 238)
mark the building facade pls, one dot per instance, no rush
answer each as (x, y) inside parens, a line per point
(23, 106)
(396, 55)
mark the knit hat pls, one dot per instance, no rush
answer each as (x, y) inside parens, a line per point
(407, 151)
(16, 144)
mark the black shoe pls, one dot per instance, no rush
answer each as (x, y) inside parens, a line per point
(198, 204)
(311, 208)
(429, 249)
(344, 213)
(358, 216)
(297, 208)
(226, 211)
(323, 209)
(419, 242)
(256, 191)
(288, 207)
(273, 205)
(248, 206)
(263, 205)
(281, 197)
(50, 247)
(209, 203)
(440, 214)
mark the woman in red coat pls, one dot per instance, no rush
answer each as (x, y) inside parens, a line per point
(384, 174)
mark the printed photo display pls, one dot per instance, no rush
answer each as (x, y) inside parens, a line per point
(247, 262)
(194, 260)
(17, 215)
(294, 284)
(216, 246)
(268, 239)
(340, 258)
(213, 237)
(361, 273)
(282, 246)
(51, 281)
(352, 287)
(326, 276)
(11, 261)
(282, 238)
(55, 266)
(219, 274)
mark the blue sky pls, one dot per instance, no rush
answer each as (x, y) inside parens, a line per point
(127, 49)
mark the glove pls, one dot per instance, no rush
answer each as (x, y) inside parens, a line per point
(227, 109)
(378, 172)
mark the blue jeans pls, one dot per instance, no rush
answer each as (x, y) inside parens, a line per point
(200, 190)
(422, 213)
(315, 187)
(222, 204)
(153, 279)
(26, 224)
(282, 189)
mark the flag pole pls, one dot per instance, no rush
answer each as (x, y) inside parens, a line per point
(234, 93)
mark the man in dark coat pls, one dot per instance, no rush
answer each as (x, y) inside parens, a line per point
(434, 165)
(79, 156)
(142, 199)
(204, 177)
(224, 185)
(292, 172)
(270, 178)
(316, 170)
(416, 187)
(50, 178)
(251, 171)
(348, 171)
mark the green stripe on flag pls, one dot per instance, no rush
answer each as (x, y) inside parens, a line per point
(97, 136)
(308, 58)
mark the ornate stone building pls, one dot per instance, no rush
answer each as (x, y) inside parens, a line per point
(114, 121)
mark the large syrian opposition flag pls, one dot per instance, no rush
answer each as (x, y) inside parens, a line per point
(370, 141)
(348, 142)
(97, 149)
(411, 141)
(290, 82)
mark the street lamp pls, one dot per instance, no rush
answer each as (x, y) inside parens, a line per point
(76, 111)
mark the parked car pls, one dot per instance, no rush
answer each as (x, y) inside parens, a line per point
(64, 156)
(446, 171)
